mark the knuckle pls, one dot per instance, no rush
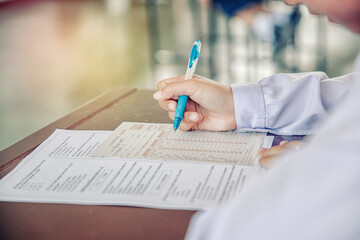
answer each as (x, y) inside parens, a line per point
(161, 85)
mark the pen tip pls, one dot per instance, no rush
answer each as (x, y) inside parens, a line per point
(177, 121)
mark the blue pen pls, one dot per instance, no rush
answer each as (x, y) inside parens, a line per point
(181, 104)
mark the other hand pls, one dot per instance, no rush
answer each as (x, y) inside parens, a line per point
(267, 155)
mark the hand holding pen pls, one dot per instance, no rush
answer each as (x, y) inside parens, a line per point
(210, 105)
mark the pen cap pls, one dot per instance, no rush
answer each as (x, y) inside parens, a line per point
(195, 53)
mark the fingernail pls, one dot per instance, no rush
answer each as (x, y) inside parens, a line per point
(172, 106)
(283, 142)
(193, 117)
(157, 95)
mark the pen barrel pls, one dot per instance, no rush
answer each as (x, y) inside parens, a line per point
(190, 72)
(181, 104)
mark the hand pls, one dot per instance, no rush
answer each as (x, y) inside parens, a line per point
(210, 105)
(267, 155)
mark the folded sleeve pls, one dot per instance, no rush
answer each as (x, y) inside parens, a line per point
(289, 104)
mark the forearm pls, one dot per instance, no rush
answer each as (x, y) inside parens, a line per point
(289, 104)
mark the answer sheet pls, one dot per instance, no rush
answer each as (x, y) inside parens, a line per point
(160, 141)
(61, 170)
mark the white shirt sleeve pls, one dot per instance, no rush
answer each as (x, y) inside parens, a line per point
(289, 104)
(357, 63)
(311, 193)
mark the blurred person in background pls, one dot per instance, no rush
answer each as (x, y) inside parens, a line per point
(309, 192)
(276, 27)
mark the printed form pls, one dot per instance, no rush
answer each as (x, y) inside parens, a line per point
(61, 170)
(160, 141)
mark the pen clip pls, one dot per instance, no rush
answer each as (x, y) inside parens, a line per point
(195, 52)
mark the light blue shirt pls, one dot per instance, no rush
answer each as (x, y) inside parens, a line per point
(311, 193)
(289, 104)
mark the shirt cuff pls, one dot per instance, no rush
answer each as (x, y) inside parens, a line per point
(249, 106)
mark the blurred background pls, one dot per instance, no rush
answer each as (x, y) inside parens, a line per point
(57, 55)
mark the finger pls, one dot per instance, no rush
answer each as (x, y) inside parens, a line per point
(266, 161)
(165, 82)
(282, 143)
(295, 144)
(168, 105)
(189, 117)
(261, 150)
(187, 126)
(158, 96)
(190, 120)
(175, 89)
(183, 126)
(271, 151)
(180, 78)
(191, 106)
(267, 155)
(192, 117)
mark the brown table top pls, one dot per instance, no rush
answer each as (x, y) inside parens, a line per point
(67, 221)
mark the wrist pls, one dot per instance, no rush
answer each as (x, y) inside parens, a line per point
(230, 119)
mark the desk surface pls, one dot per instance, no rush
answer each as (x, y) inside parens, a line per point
(62, 221)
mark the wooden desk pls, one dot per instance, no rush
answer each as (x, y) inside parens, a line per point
(63, 221)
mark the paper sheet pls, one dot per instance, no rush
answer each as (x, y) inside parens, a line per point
(160, 141)
(60, 170)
